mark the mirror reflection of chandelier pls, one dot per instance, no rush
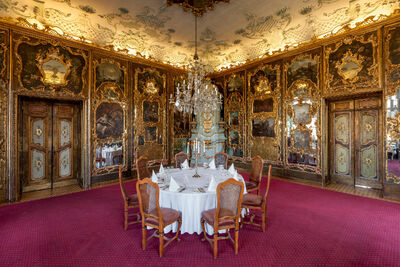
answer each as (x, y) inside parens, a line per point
(197, 94)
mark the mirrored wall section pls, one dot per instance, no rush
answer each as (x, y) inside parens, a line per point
(393, 137)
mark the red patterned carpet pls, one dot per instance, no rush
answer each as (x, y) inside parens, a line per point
(307, 227)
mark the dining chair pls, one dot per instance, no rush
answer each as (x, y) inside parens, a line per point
(142, 168)
(253, 202)
(226, 215)
(221, 158)
(130, 202)
(154, 216)
(253, 184)
(180, 158)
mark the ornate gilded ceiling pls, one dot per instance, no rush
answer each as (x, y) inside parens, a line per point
(230, 34)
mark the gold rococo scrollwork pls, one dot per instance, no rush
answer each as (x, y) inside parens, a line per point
(351, 84)
(51, 74)
(153, 149)
(269, 148)
(303, 92)
(40, 90)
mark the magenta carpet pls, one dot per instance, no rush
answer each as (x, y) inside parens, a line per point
(307, 227)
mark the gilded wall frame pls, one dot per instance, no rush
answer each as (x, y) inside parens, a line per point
(263, 84)
(235, 102)
(53, 47)
(106, 90)
(303, 90)
(4, 43)
(391, 39)
(351, 65)
(155, 91)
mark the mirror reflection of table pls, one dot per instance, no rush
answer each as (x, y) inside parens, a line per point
(194, 198)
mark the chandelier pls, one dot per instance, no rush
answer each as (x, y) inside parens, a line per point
(197, 94)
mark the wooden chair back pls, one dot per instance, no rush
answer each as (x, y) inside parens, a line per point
(122, 186)
(221, 158)
(141, 168)
(257, 164)
(268, 184)
(180, 158)
(148, 195)
(229, 201)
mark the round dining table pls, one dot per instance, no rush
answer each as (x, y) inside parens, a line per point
(192, 198)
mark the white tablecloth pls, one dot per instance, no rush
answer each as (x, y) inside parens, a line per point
(191, 202)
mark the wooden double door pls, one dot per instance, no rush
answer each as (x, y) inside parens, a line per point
(355, 134)
(50, 144)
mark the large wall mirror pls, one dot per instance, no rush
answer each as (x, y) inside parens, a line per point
(393, 137)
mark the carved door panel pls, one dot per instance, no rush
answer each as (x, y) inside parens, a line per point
(354, 142)
(49, 156)
(36, 146)
(367, 172)
(341, 141)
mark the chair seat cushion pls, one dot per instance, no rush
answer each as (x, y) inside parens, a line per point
(133, 200)
(252, 200)
(169, 215)
(209, 216)
(251, 185)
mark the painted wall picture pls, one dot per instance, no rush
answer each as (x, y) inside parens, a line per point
(305, 68)
(30, 74)
(234, 137)
(264, 81)
(301, 139)
(234, 118)
(108, 72)
(181, 124)
(109, 120)
(265, 105)
(235, 84)
(151, 82)
(264, 128)
(301, 113)
(151, 133)
(394, 46)
(150, 111)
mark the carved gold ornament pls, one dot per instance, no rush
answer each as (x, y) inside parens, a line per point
(198, 7)
(349, 67)
(263, 85)
(64, 162)
(368, 161)
(39, 132)
(151, 87)
(341, 158)
(207, 118)
(38, 164)
(65, 131)
(368, 127)
(54, 68)
(341, 127)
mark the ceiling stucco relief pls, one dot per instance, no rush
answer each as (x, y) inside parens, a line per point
(232, 33)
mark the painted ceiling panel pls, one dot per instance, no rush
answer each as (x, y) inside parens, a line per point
(230, 34)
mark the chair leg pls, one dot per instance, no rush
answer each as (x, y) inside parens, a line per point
(215, 244)
(161, 238)
(126, 219)
(179, 228)
(144, 237)
(204, 230)
(236, 240)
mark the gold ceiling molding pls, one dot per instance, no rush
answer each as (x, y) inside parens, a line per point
(197, 7)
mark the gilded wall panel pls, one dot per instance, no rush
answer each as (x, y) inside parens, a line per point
(234, 114)
(352, 65)
(150, 114)
(48, 67)
(4, 44)
(302, 111)
(109, 111)
(263, 109)
(180, 129)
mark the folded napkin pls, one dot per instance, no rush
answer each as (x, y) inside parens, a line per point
(232, 169)
(185, 164)
(212, 187)
(173, 185)
(154, 177)
(212, 164)
(235, 176)
(161, 169)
